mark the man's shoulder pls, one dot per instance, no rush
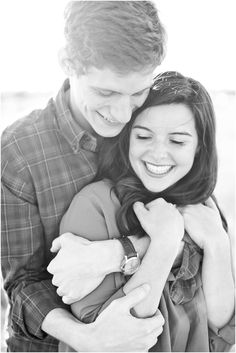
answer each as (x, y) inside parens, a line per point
(23, 128)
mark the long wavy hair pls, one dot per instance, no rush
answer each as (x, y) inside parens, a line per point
(196, 186)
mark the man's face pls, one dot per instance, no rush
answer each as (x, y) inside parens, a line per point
(103, 101)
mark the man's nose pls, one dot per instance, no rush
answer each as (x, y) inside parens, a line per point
(121, 110)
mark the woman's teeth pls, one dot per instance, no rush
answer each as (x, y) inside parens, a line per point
(158, 169)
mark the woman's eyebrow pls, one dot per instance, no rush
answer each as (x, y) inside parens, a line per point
(181, 133)
(141, 127)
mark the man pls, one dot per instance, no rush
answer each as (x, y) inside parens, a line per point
(112, 49)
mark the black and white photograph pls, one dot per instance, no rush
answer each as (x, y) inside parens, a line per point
(118, 176)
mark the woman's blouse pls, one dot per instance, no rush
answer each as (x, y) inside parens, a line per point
(92, 215)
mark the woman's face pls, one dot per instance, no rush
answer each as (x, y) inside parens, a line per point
(163, 143)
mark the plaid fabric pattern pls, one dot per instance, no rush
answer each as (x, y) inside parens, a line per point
(46, 159)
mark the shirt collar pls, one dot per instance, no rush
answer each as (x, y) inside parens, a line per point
(76, 136)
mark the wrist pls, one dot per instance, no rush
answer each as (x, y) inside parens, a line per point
(62, 325)
(141, 244)
(112, 255)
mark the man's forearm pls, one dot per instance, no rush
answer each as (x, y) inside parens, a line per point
(62, 325)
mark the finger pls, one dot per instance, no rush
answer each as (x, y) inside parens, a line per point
(210, 203)
(55, 281)
(50, 267)
(60, 292)
(139, 209)
(135, 296)
(154, 324)
(56, 244)
(69, 300)
(160, 317)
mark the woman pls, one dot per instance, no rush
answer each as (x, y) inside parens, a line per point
(157, 178)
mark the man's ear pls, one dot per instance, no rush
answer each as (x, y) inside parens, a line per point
(65, 63)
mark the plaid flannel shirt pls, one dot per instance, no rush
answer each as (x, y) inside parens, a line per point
(46, 159)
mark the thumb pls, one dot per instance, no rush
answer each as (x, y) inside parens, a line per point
(139, 208)
(135, 296)
(56, 244)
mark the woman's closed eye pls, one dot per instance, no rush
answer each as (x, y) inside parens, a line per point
(143, 137)
(177, 142)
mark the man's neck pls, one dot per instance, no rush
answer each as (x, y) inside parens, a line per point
(77, 115)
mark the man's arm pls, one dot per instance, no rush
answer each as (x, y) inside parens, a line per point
(26, 281)
(114, 330)
(70, 270)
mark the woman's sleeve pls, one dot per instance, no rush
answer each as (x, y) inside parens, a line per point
(223, 339)
(86, 218)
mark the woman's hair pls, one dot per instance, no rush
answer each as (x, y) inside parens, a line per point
(125, 36)
(197, 185)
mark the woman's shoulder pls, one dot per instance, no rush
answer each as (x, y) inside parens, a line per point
(101, 190)
(97, 187)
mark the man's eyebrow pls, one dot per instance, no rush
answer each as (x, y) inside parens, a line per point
(116, 92)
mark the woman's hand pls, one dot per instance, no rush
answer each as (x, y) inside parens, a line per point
(203, 223)
(159, 218)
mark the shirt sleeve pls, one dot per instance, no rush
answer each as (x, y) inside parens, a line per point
(23, 254)
(222, 340)
(89, 208)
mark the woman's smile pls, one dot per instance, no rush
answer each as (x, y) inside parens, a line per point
(159, 170)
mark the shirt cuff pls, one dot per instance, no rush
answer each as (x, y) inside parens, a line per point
(31, 306)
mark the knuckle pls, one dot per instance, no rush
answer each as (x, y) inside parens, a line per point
(152, 342)
(50, 268)
(60, 292)
(54, 281)
(64, 238)
(66, 300)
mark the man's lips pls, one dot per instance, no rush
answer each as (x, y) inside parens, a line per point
(109, 120)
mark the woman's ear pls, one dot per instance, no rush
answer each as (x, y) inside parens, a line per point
(65, 62)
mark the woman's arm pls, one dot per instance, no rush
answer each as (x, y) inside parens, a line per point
(203, 223)
(155, 265)
(164, 224)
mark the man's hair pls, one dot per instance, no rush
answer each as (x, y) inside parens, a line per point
(125, 36)
(197, 185)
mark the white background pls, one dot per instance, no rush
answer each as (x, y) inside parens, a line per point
(201, 42)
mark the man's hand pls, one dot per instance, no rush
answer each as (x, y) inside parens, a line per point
(116, 330)
(79, 267)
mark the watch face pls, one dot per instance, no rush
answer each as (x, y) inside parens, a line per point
(131, 265)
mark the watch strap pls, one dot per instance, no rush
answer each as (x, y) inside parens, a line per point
(128, 247)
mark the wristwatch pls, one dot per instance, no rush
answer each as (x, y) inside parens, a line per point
(131, 260)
